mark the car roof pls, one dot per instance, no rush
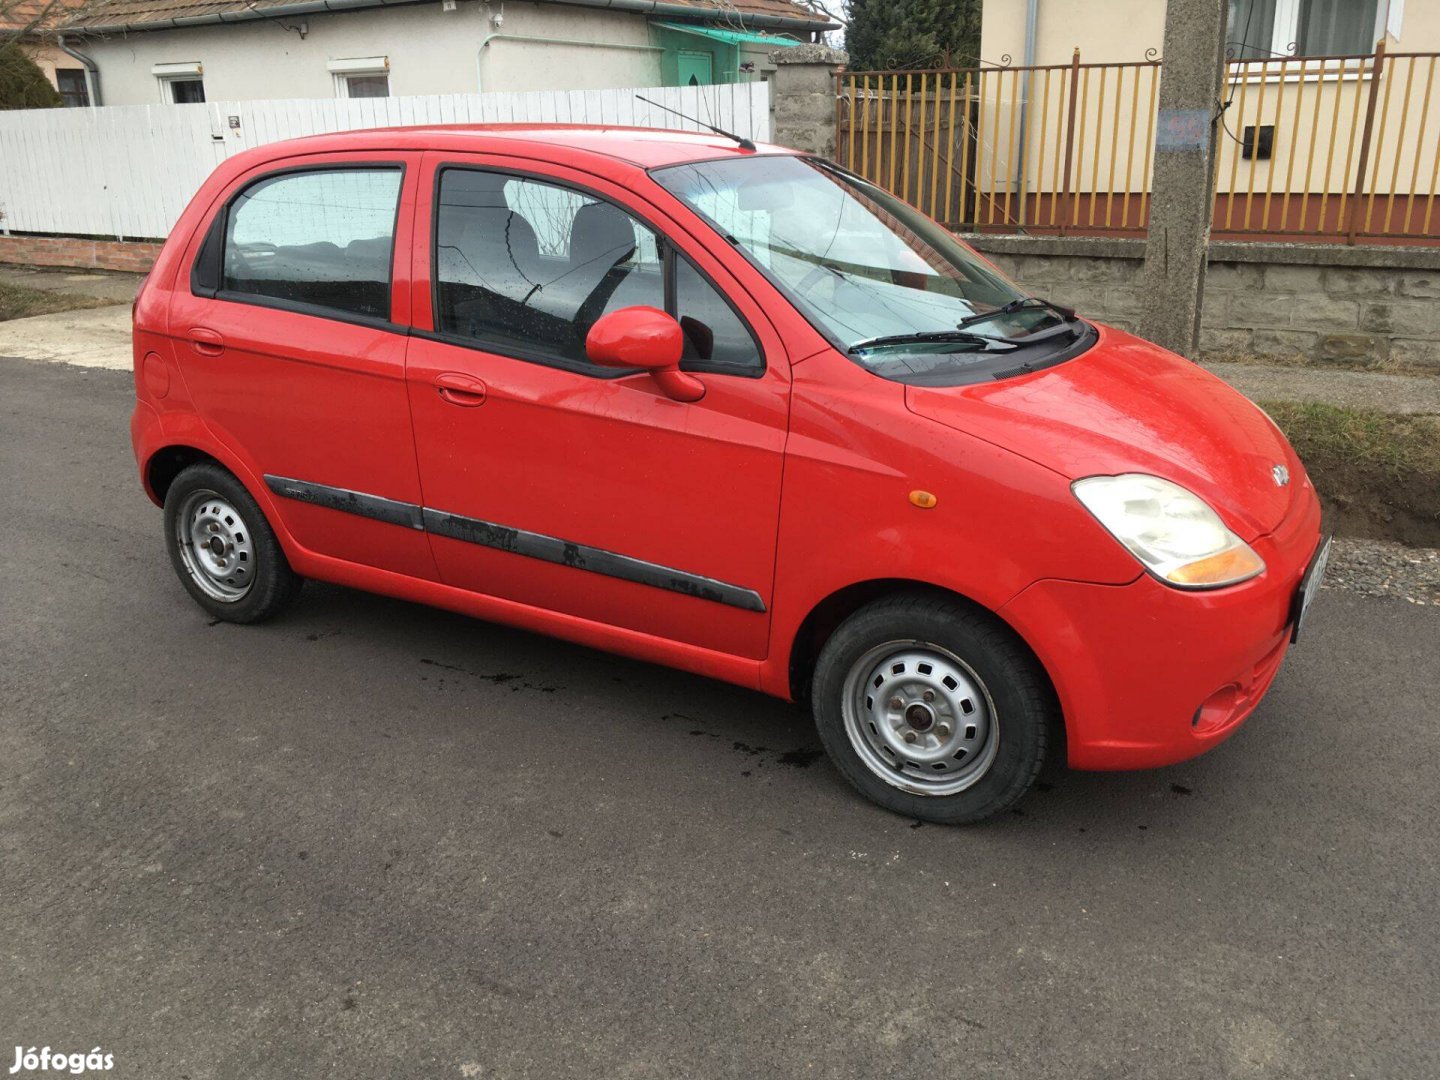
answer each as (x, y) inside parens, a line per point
(642, 147)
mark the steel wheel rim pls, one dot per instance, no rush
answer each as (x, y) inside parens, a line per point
(920, 718)
(216, 546)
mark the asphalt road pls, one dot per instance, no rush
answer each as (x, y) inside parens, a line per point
(376, 840)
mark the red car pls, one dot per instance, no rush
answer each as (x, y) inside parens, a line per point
(726, 408)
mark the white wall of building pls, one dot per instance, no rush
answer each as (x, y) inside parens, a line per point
(431, 51)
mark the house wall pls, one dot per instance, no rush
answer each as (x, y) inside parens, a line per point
(1063, 25)
(1119, 31)
(48, 58)
(431, 51)
(1316, 118)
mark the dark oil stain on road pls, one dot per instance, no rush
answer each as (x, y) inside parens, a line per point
(499, 678)
(802, 758)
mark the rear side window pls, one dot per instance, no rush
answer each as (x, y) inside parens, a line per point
(322, 239)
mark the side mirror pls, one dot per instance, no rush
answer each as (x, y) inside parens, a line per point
(644, 337)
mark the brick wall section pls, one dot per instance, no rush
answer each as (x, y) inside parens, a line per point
(137, 256)
(1376, 306)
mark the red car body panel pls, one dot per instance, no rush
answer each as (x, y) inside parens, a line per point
(1127, 406)
(790, 489)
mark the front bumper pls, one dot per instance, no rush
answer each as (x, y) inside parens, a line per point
(1149, 675)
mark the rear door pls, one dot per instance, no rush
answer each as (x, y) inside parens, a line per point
(573, 488)
(291, 335)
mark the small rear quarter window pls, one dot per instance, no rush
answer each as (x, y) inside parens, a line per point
(323, 239)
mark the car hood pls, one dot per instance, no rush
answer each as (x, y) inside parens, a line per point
(1129, 406)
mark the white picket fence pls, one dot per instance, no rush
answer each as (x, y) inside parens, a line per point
(127, 171)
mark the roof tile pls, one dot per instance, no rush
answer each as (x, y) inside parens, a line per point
(143, 14)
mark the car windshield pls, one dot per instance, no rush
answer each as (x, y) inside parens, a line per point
(883, 282)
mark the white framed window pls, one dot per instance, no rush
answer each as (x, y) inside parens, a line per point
(181, 83)
(361, 76)
(1265, 29)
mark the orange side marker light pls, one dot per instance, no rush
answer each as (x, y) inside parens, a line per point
(923, 499)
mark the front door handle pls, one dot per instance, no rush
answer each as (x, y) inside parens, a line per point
(206, 342)
(463, 390)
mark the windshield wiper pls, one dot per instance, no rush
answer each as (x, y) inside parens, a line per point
(1066, 314)
(925, 337)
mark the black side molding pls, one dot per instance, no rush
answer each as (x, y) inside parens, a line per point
(583, 557)
(517, 541)
(350, 502)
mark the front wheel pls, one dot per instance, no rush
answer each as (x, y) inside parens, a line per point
(933, 709)
(223, 549)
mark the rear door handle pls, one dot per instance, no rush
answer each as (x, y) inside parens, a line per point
(463, 390)
(206, 342)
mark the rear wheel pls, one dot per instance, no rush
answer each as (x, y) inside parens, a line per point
(932, 708)
(223, 549)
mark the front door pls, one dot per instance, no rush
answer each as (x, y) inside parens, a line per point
(567, 487)
(696, 68)
(293, 348)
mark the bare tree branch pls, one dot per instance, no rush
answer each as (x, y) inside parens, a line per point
(38, 20)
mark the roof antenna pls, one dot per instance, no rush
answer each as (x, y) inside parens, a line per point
(743, 143)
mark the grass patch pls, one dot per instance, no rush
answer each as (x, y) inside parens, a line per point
(21, 302)
(1378, 474)
(1300, 360)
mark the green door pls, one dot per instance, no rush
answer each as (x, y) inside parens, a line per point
(696, 69)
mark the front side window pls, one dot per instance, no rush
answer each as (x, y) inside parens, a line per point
(527, 267)
(883, 282)
(715, 338)
(321, 239)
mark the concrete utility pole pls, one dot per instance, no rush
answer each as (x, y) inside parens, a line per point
(1182, 200)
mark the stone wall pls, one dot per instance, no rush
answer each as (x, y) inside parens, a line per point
(802, 97)
(1377, 306)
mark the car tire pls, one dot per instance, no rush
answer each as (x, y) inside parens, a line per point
(933, 708)
(223, 550)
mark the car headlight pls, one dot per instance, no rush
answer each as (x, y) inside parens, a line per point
(1174, 533)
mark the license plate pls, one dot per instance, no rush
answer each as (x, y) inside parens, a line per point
(1309, 586)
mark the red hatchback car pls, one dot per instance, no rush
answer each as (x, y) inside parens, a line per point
(726, 408)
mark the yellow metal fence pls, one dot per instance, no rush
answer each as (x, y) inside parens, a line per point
(1328, 148)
